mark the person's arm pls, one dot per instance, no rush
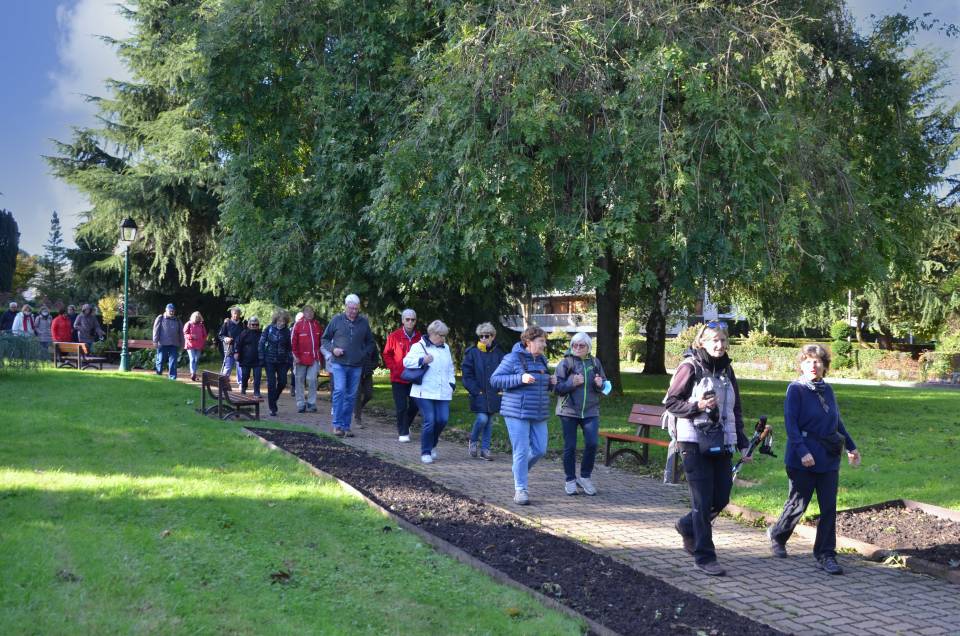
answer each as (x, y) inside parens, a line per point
(389, 358)
(743, 443)
(156, 330)
(681, 388)
(414, 357)
(262, 345)
(564, 383)
(326, 340)
(791, 419)
(598, 372)
(506, 376)
(468, 375)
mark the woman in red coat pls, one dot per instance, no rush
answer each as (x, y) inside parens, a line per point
(62, 328)
(398, 345)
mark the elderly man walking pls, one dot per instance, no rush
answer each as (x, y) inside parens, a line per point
(168, 339)
(7, 317)
(349, 340)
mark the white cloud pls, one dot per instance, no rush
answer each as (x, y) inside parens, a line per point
(86, 61)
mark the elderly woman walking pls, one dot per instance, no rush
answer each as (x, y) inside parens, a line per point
(88, 327)
(194, 340)
(277, 355)
(479, 363)
(580, 380)
(435, 390)
(525, 380)
(705, 398)
(816, 438)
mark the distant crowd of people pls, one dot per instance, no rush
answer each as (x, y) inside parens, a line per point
(68, 326)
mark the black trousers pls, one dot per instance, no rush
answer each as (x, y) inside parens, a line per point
(803, 483)
(710, 478)
(364, 395)
(406, 408)
(276, 382)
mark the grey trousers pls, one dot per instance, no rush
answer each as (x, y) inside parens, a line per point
(308, 371)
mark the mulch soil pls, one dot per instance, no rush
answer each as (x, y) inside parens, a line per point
(607, 591)
(909, 532)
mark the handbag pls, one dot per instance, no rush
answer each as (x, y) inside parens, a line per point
(833, 443)
(710, 439)
(415, 375)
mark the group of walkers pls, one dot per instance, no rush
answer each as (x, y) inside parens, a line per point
(46, 329)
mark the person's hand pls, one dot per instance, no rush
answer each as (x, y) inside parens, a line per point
(337, 351)
(427, 359)
(709, 403)
(526, 378)
(553, 380)
(807, 460)
(746, 459)
(576, 379)
(598, 381)
(296, 360)
(853, 457)
(227, 339)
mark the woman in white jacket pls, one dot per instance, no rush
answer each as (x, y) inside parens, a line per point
(23, 323)
(434, 393)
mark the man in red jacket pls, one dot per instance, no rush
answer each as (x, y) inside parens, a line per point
(305, 343)
(398, 344)
(61, 329)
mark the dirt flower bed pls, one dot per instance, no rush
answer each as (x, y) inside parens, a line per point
(598, 587)
(909, 532)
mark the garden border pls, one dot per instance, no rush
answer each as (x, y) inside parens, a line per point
(446, 547)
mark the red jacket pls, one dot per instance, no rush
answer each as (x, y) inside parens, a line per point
(194, 335)
(61, 329)
(305, 341)
(398, 344)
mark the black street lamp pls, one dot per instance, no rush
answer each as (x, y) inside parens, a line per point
(128, 233)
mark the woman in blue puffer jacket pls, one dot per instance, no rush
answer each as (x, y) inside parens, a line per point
(525, 380)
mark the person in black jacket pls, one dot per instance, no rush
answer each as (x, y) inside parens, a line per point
(227, 338)
(479, 363)
(248, 356)
(277, 355)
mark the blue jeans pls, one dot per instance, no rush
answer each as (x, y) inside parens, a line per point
(346, 381)
(194, 360)
(435, 413)
(591, 437)
(229, 362)
(529, 441)
(243, 374)
(168, 354)
(482, 426)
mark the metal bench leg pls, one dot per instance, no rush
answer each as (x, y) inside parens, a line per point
(606, 454)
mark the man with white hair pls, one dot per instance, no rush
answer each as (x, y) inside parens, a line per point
(349, 341)
(7, 317)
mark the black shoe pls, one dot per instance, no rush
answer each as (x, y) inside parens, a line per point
(688, 543)
(829, 565)
(273, 413)
(348, 433)
(712, 569)
(301, 409)
(777, 549)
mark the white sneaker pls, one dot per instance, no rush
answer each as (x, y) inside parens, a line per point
(404, 438)
(570, 487)
(520, 497)
(587, 485)
(426, 459)
(435, 454)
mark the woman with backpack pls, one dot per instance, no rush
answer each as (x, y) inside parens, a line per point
(705, 399)
(580, 381)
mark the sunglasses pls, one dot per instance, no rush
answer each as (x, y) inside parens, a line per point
(484, 336)
(579, 345)
(715, 324)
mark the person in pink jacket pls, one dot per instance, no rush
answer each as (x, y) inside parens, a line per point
(305, 344)
(195, 337)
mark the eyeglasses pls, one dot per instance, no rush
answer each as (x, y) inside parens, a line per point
(409, 320)
(716, 324)
(484, 336)
(579, 345)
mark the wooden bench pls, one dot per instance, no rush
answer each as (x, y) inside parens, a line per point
(74, 355)
(133, 345)
(225, 403)
(645, 416)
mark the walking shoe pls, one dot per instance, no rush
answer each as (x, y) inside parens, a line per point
(404, 438)
(348, 433)
(829, 565)
(485, 455)
(426, 458)
(570, 487)
(301, 409)
(339, 432)
(472, 449)
(273, 413)
(777, 549)
(521, 498)
(712, 569)
(312, 408)
(587, 485)
(688, 543)
(434, 454)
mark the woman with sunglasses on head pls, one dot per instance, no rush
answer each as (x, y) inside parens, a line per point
(705, 399)
(580, 380)
(479, 363)
(525, 380)
(816, 438)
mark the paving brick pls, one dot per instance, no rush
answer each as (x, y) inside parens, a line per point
(632, 520)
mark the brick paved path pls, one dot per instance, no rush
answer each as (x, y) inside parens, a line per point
(632, 519)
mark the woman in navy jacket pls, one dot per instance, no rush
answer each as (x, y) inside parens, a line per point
(811, 418)
(479, 363)
(525, 380)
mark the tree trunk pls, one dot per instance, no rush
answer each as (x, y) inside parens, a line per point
(655, 361)
(608, 321)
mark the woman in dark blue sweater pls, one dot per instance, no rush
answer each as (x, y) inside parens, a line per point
(816, 438)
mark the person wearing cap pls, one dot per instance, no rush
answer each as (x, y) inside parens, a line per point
(7, 317)
(88, 327)
(349, 339)
(227, 338)
(168, 339)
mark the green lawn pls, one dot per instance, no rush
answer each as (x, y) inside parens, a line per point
(122, 511)
(909, 438)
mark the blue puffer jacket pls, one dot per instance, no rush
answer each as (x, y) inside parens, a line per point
(275, 347)
(523, 401)
(476, 369)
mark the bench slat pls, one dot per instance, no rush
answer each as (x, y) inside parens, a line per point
(644, 420)
(623, 437)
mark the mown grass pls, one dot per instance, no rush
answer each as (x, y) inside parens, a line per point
(909, 438)
(123, 511)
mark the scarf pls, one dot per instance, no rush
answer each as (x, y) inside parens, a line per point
(818, 387)
(482, 346)
(713, 365)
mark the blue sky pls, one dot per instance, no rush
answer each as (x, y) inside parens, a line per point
(50, 56)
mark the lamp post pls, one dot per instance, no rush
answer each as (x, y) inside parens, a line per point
(128, 232)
